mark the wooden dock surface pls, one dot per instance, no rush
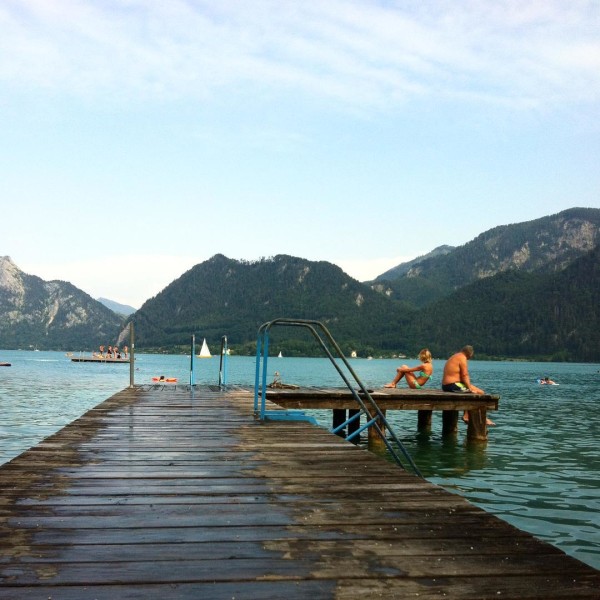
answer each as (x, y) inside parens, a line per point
(387, 399)
(171, 492)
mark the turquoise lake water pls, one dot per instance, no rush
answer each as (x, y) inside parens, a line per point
(540, 469)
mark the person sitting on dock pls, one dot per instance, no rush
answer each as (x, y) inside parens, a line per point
(415, 377)
(456, 376)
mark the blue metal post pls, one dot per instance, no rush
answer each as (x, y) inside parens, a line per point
(264, 376)
(225, 361)
(257, 373)
(193, 353)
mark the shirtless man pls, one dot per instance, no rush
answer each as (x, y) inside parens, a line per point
(456, 376)
(456, 373)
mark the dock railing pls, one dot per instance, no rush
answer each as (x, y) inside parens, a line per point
(375, 417)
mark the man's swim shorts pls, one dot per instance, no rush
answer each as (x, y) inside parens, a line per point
(456, 387)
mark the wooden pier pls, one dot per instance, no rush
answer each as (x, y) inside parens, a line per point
(174, 492)
(424, 401)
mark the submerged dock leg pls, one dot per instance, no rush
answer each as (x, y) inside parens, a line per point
(477, 427)
(338, 417)
(424, 420)
(449, 422)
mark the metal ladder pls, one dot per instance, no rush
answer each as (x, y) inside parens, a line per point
(363, 398)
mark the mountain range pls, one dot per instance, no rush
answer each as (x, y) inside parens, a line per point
(50, 315)
(529, 289)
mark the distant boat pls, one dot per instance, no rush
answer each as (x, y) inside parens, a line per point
(280, 355)
(4, 364)
(204, 351)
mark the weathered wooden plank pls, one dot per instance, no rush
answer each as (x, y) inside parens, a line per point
(229, 549)
(559, 587)
(272, 564)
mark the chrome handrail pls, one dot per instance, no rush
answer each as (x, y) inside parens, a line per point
(262, 354)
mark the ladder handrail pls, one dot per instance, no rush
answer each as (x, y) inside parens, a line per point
(262, 351)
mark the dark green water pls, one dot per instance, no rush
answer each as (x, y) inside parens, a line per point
(540, 469)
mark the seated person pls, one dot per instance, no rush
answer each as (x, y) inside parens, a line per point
(415, 377)
(456, 376)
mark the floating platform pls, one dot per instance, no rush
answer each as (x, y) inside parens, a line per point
(179, 492)
(97, 359)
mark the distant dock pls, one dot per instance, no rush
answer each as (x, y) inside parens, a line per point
(171, 491)
(98, 359)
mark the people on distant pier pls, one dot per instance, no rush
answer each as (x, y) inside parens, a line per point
(415, 377)
(455, 377)
(125, 352)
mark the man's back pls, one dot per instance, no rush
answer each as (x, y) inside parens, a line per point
(455, 369)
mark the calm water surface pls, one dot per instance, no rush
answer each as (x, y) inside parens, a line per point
(540, 469)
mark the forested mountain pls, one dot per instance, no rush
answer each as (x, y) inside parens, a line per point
(544, 245)
(224, 296)
(50, 315)
(521, 314)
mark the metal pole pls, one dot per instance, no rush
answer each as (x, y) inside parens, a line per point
(193, 352)
(131, 355)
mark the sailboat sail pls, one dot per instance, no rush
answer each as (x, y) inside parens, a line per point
(204, 351)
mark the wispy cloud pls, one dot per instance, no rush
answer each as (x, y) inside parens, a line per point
(360, 52)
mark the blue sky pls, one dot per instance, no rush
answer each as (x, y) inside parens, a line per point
(140, 138)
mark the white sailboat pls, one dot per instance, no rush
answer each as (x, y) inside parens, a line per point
(280, 355)
(204, 351)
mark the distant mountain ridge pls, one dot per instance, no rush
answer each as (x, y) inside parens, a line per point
(50, 315)
(543, 245)
(121, 309)
(404, 268)
(524, 290)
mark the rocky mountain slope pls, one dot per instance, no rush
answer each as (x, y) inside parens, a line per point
(50, 314)
(543, 245)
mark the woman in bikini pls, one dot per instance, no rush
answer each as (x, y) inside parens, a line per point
(416, 377)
